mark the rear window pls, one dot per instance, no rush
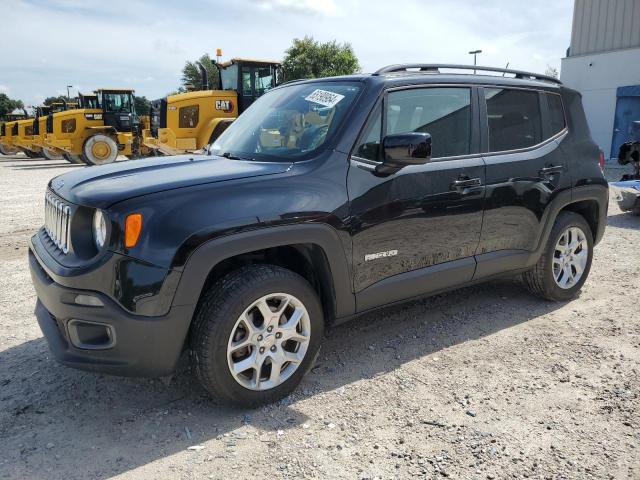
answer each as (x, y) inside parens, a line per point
(514, 119)
(556, 113)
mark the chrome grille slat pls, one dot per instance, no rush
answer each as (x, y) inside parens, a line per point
(57, 222)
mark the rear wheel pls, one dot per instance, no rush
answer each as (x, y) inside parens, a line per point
(566, 261)
(256, 333)
(70, 157)
(100, 149)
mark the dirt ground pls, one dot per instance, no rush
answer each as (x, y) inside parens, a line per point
(485, 382)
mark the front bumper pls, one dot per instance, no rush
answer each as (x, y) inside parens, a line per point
(134, 345)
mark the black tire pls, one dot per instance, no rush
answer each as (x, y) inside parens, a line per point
(636, 211)
(31, 154)
(540, 279)
(71, 158)
(219, 309)
(108, 143)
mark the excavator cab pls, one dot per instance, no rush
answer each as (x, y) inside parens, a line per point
(250, 78)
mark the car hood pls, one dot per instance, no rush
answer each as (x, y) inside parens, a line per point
(101, 186)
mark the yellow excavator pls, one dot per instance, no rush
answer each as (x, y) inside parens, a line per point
(105, 126)
(189, 121)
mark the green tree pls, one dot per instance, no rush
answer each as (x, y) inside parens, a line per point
(143, 105)
(7, 105)
(192, 79)
(308, 58)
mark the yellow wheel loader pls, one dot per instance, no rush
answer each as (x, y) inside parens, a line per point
(187, 122)
(7, 138)
(40, 130)
(10, 134)
(23, 139)
(96, 133)
(6, 146)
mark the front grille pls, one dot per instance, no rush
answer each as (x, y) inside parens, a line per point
(57, 221)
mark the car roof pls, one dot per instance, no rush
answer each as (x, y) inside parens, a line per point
(434, 76)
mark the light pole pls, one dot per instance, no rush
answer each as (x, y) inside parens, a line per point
(475, 54)
(68, 87)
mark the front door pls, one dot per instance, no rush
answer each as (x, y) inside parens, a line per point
(416, 231)
(525, 168)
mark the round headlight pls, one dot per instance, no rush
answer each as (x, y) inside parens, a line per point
(99, 228)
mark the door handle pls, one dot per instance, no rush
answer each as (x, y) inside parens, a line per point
(465, 182)
(551, 170)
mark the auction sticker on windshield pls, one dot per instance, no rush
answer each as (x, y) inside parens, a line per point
(323, 97)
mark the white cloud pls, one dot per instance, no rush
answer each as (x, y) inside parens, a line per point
(321, 7)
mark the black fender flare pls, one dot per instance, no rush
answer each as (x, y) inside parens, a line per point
(209, 254)
(598, 193)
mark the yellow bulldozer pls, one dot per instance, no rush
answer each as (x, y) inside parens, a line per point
(189, 121)
(105, 126)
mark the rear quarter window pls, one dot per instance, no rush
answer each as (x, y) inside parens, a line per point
(556, 113)
(514, 118)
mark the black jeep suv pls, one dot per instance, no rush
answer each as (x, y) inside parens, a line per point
(326, 199)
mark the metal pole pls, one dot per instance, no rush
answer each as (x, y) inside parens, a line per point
(475, 53)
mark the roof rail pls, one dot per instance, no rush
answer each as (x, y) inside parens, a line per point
(435, 68)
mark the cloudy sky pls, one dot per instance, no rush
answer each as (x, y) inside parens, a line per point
(49, 44)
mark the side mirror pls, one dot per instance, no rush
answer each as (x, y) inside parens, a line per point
(402, 149)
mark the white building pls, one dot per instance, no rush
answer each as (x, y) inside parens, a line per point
(603, 63)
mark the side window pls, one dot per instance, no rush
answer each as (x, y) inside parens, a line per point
(513, 118)
(556, 113)
(247, 91)
(445, 113)
(263, 80)
(188, 116)
(369, 146)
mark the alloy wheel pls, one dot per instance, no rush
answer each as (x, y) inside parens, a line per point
(269, 341)
(570, 257)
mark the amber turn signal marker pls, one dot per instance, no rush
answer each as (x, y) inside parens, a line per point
(132, 229)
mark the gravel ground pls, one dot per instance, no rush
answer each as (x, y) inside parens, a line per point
(484, 382)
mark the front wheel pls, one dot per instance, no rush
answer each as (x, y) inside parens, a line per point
(256, 333)
(566, 261)
(100, 149)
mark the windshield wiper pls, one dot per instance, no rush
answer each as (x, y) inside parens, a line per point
(231, 156)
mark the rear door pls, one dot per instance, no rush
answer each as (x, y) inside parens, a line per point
(416, 231)
(525, 170)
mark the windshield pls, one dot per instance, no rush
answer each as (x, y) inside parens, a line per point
(287, 123)
(117, 102)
